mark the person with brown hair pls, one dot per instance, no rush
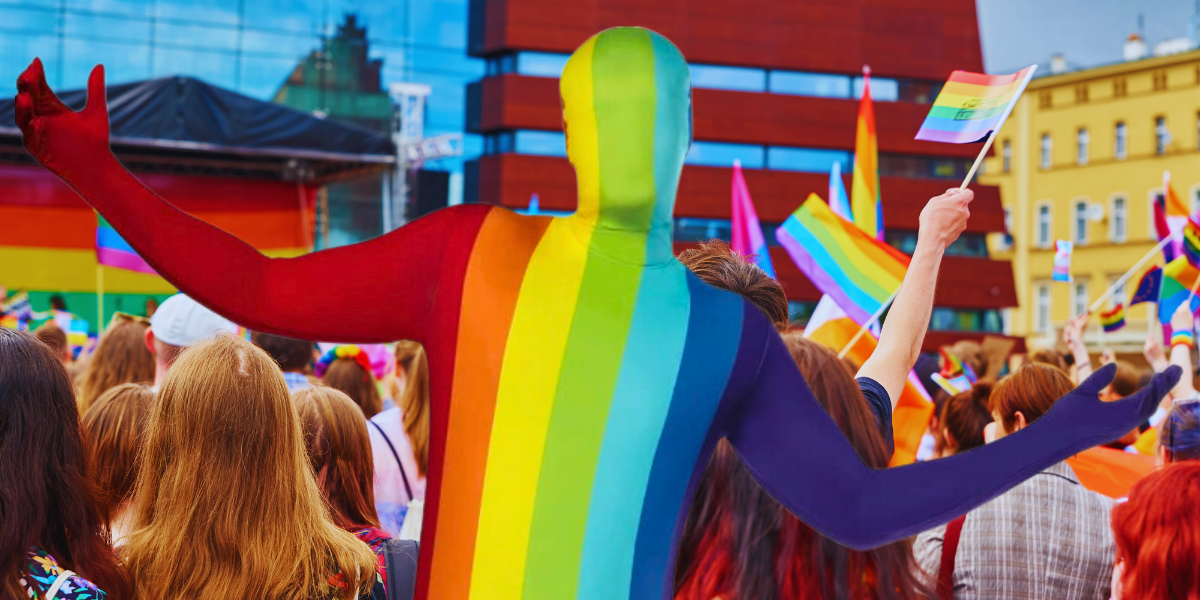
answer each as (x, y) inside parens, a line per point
(1158, 551)
(339, 451)
(120, 357)
(1045, 538)
(51, 523)
(292, 355)
(718, 265)
(113, 426)
(50, 334)
(228, 506)
(348, 369)
(963, 419)
(740, 543)
(400, 443)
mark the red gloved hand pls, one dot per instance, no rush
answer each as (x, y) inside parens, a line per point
(62, 140)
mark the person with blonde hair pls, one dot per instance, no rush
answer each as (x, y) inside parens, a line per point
(348, 368)
(120, 357)
(400, 443)
(227, 503)
(113, 425)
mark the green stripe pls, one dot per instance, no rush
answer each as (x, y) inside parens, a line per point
(946, 112)
(622, 70)
(849, 267)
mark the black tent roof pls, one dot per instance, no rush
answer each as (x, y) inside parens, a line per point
(184, 113)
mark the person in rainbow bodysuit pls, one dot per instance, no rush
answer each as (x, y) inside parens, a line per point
(580, 375)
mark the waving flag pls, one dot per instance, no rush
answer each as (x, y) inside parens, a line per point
(1062, 260)
(1112, 320)
(858, 271)
(971, 106)
(748, 239)
(864, 186)
(112, 251)
(1176, 287)
(956, 376)
(839, 202)
(1191, 241)
(1148, 286)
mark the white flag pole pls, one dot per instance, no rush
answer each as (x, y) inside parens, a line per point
(999, 124)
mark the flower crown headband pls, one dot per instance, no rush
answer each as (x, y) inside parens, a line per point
(349, 351)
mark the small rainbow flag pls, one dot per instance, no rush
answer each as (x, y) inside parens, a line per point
(972, 105)
(956, 376)
(1191, 241)
(1175, 288)
(858, 271)
(113, 251)
(1112, 320)
(864, 185)
(1062, 260)
(748, 239)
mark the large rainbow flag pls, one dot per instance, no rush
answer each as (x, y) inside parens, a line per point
(972, 105)
(858, 271)
(748, 239)
(864, 187)
(1178, 276)
(113, 251)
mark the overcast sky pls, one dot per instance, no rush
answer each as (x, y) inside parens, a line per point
(1018, 33)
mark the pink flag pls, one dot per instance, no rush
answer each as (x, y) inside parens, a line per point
(748, 237)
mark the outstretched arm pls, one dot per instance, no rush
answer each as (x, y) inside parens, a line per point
(942, 220)
(798, 455)
(380, 290)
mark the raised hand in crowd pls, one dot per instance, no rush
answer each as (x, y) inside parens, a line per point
(1183, 338)
(942, 220)
(1073, 338)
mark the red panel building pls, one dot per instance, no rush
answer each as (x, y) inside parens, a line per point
(775, 85)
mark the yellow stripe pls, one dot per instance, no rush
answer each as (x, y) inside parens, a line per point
(957, 101)
(979, 91)
(528, 381)
(583, 144)
(74, 270)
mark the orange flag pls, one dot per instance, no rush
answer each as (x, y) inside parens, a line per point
(1110, 472)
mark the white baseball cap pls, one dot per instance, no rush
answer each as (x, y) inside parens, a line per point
(181, 321)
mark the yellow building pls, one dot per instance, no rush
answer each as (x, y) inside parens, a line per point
(1081, 158)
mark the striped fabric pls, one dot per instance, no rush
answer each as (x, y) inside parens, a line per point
(113, 251)
(865, 199)
(971, 106)
(1046, 538)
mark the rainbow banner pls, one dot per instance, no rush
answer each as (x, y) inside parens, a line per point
(113, 251)
(972, 105)
(1112, 320)
(748, 239)
(1062, 260)
(858, 271)
(864, 186)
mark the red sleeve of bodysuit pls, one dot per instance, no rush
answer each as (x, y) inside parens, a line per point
(380, 290)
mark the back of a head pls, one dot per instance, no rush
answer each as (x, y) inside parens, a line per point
(339, 450)
(290, 354)
(46, 498)
(716, 264)
(120, 357)
(57, 303)
(1127, 380)
(1158, 549)
(1030, 390)
(228, 504)
(1049, 356)
(1179, 432)
(970, 353)
(350, 376)
(965, 415)
(114, 424)
(414, 403)
(50, 334)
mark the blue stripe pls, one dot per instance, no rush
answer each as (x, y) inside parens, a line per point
(106, 237)
(810, 245)
(957, 125)
(714, 333)
(635, 423)
(671, 117)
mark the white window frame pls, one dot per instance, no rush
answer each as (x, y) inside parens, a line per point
(1120, 140)
(1162, 135)
(1083, 141)
(1114, 235)
(1077, 307)
(1194, 198)
(1046, 158)
(1038, 241)
(1076, 216)
(1006, 156)
(1043, 305)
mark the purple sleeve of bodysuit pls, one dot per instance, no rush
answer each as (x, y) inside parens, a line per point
(796, 452)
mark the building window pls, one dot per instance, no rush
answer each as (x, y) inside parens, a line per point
(1119, 87)
(1153, 197)
(1080, 222)
(1042, 308)
(1081, 93)
(1162, 137)
(1045, 100)
(1120, 141)
(1198, 130)
(1047, 150)
(1194, 195)
(1080, 299)
(1043, 226)
(1160, 80)
(1081, 143)
(1007, 154)
(1119, 223)
(1008, 238)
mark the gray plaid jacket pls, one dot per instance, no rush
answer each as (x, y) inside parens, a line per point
(1046, 538)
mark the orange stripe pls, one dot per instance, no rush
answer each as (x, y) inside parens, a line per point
(490, 290)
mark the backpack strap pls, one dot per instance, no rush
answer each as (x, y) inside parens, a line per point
(396, 455)
(945, 580)
(400, 562)
(52, 591)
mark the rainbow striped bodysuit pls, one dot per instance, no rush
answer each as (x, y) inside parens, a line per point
(580, 374)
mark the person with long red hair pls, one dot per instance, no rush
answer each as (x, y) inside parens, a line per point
(1158, 549)
(52, 527)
